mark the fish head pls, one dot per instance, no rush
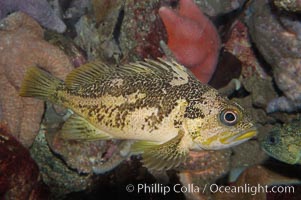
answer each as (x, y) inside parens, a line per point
(281, 146)
(226, 124)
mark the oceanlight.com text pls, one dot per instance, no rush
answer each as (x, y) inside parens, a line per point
(251, 189)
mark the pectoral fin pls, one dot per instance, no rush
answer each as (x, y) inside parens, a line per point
(77, 128)
(162, 156)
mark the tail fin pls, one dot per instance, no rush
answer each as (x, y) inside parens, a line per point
(40, 84)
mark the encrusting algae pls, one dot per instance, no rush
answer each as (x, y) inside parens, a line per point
(158, 104)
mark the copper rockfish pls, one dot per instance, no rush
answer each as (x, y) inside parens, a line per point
(158, 104)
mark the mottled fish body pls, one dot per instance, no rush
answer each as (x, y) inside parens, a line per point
(159, 104)
(284, 143)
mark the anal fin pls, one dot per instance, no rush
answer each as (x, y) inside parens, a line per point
(78, 128)
(162, 156)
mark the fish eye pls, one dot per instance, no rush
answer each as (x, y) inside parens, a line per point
(272, 139)
(229, 117)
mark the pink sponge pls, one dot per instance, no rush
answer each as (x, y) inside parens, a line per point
(192, 38)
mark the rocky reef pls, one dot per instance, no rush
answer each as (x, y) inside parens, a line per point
(270, 30)
(288, 5)
(219, 7)
(39, 10)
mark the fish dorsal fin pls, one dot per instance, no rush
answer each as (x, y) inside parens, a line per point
(171, 66)
(171, 71)
(78, 128)
(87, 74)
(175, 72)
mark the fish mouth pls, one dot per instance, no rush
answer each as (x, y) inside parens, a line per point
(240, 136)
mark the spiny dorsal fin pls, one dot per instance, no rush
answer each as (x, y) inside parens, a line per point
(171, 71)
(77, 128)
(91, 72)
(177, 73)
(157, 66)
(87, 74)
